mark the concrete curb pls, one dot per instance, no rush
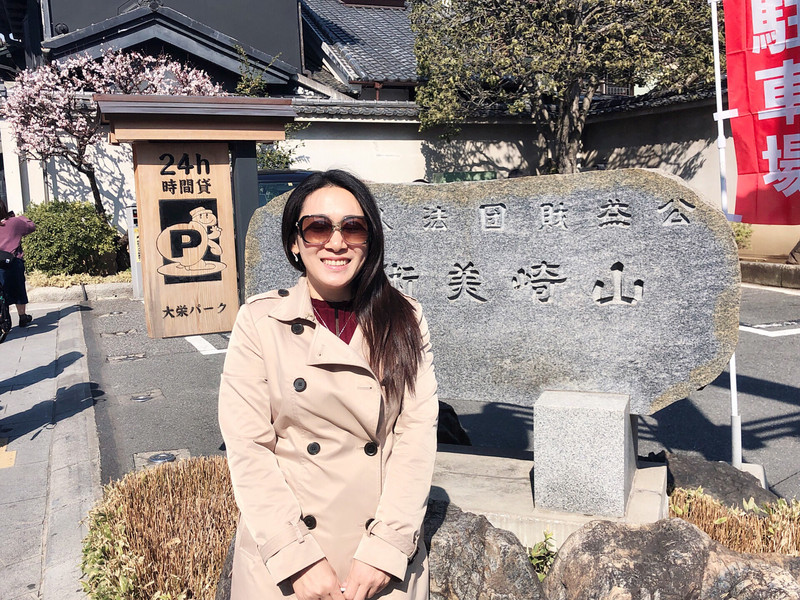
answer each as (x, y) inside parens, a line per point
(771, 274)
(73, 485)
(79, 293)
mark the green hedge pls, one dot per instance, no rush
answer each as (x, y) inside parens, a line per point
(70, 238)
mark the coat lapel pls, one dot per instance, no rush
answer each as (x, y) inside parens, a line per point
(326, 348)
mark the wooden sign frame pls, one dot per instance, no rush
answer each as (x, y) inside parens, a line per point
(187, 238)
(182, 164)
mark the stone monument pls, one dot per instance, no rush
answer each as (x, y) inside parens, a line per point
(591, 297)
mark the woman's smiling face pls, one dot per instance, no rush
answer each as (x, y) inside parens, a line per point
(332, 266)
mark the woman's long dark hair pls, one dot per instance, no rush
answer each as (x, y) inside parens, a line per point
(4, 212)
(386, 317)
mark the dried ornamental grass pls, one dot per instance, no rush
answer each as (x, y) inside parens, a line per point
(161, 534)
(768, 528)
(36, 279)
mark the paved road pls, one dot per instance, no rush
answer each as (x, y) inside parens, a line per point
(180, 412)
(768, 365)
(151, 395)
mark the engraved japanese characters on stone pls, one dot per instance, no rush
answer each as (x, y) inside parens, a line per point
(493, 217)
(434, 218)
(676, 211)
(464, 279)
(384, 222)
(537, 336)
(617, 294)
(540, 279)
(553, 215)
(615, 213)
(402, 278)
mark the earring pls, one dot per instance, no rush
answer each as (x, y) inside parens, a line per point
(296, 258)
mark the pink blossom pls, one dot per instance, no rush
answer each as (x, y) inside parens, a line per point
(51, 112)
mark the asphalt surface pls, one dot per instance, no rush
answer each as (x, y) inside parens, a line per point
(151, 395)
(154, 396)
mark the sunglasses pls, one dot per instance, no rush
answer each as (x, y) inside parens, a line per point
(317, 230)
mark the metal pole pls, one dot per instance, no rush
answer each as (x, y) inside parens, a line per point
(736, 420)
(719, 117)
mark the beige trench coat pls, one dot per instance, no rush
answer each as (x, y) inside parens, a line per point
(319, 467)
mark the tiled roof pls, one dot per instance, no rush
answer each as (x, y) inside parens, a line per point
(384, 109)
(373, 43)
(310, 107)
(169, 26)
(651, 100)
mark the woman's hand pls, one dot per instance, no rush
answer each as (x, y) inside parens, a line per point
(364, 581)
(317, 582)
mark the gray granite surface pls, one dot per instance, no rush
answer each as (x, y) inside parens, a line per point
(584, 453)
(621, 282)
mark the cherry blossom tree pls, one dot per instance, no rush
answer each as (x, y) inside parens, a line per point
(52, 114)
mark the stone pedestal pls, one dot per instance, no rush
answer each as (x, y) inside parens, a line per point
(583, 451)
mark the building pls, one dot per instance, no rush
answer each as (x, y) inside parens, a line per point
(349, 67)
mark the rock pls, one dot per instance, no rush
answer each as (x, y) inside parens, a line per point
(666, 560)
(449, 429)
(469, 559)
(472, 560)
(621, 282)
(224, 584)
(794, 255)
(723, 482)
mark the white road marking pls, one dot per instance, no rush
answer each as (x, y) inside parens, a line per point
(769, 288)
(781, 333)
(203, 345)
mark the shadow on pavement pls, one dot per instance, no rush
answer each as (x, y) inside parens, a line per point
(41, 324)
(682, 427)
(761, 388)
(53, 369)
(46, 413)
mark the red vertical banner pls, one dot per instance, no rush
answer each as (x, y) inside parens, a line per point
(763, 52)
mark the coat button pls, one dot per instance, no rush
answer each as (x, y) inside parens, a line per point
(297, 328)
(313, 448)
(283, 292)
(310, 521)
(368, 523)
(371, 449)
(299, 384)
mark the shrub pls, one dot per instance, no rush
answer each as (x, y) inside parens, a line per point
(742, 232)
(70, 238)
(161, 534)
(768, 528)
(542, 555)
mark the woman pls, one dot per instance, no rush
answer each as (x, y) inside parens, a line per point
(12, 279)
(328, 409)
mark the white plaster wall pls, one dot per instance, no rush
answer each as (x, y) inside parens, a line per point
(398, 152)
(24, 180)
(114, 167)
(11, 166)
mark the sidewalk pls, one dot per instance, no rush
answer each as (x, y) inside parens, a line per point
(49, 454)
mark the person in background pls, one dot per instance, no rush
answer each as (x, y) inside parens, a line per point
(12, 230)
